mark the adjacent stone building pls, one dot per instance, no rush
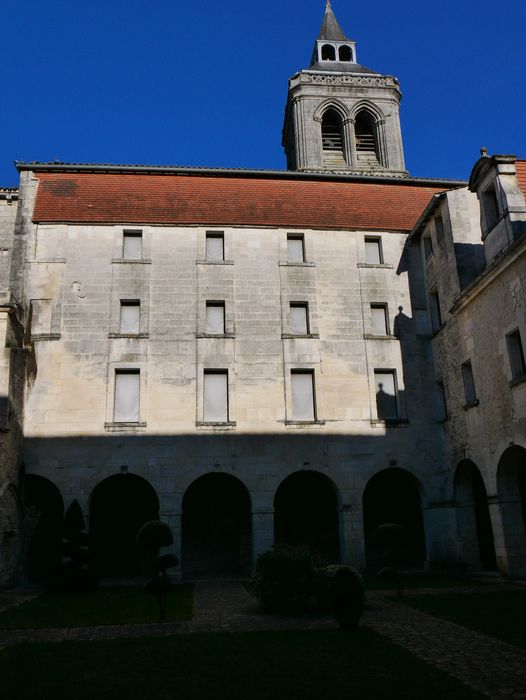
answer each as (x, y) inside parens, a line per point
(259, 357)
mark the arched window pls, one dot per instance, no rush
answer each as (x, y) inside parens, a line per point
(345, 53)
(328, 53)
(366, 137)
(331, 132)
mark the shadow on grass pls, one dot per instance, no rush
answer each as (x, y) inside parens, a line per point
(322, 665)
(500, 614)
(423, 580)
(106, 606)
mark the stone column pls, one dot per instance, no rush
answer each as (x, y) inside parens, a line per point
(173, 520)
(262, 531)
(508, 533)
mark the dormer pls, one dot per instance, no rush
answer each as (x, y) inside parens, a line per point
(501, 199)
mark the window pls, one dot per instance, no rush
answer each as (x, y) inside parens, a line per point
(491, 206)
(127, 391)
(295, 248)
(216, 396)
(516, 355)
(215, 247)
(215, 317)
(130, 317)
(132, 245)
(328, 53)
(439, 229)
(469, 383)
(428, 247)
(434, 310)
(345, 53)
(299, 318)
(386, 394)
(373, 251)
(379, 319)
(303, 396)
(441, 402)
(365, 135)
(331, 132)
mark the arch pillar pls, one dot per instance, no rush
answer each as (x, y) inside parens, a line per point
(510, 544)
(352, 539)
(349, 139)
(174, 521)
(262, 531)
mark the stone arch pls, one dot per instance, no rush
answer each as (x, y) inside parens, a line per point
(45, 507)
(306, 514)
(216, 526)
(328, 52)
(339, 107)
(119, 506)
(394, 496)
(511, 490)
(367, 135)
(474, 529)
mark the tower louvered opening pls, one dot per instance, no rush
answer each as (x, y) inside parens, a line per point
(331, 132)
(366, 138)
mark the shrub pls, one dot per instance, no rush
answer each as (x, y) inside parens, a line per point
(341, 592)
(151, 537)
(284, 580)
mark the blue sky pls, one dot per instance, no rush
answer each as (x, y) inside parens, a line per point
(205, 83)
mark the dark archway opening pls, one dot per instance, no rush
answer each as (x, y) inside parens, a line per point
(119, 507)
(45, 547)
(306, 514)
(216, 526)
(366, 139)
(473, 518)
(511, 487)
(328, 53)
(331, 132)
(345, 53)
(393, 496)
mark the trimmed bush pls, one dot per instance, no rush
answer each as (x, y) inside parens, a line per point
(340, 591)
(284, 580)
(151, 537)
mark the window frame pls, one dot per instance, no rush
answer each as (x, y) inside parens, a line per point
(491, 205)
(296, 237)
(221, 372)
(300, 305)
(120, 371)
(468, 381)
(128, 234)
(209, 235)
(393, 373)
(311, 372)
(433, 294)
(377, 240)
(210, 303)
(515, 349)
(385, 307)
(134, 303)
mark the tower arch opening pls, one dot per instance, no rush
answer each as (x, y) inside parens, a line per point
(119, 507)
(306, 514)
(216, 526)
(366, 135)
(345, 54)
(332, 138)
(393, 496)
(328, 52)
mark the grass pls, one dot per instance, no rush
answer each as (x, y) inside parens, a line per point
(320, 665)
(106, 606)
(412, 581)
(500, 614)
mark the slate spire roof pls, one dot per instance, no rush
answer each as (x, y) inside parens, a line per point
(330, 29)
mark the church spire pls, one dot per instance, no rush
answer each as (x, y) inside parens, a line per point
(330, 29)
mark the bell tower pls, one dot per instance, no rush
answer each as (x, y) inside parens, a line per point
(340, 115)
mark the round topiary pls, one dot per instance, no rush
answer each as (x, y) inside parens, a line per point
(284, 580)
(346, 595)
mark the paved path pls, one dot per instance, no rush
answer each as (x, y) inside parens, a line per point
(492, 667)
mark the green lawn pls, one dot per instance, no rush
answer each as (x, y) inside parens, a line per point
(500, 614)
(315, 665)
(106, 606)
(411, 581)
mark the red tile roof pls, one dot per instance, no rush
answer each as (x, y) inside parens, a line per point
(129, 198)
(521, 175)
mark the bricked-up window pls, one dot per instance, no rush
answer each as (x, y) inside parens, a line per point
(215, 246)
(516, 354)
(127, 396)
(130, 321)
(386, 394)
(373, 251)
(441, 401)
(439, 229)
(469, 383)
(428, 247)
(303, 395)
(299, 318)
(215, 317)
(434, 310)
(295, 248)
(216, 396)
(491, 206)
(379, 319)
(132, 245)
